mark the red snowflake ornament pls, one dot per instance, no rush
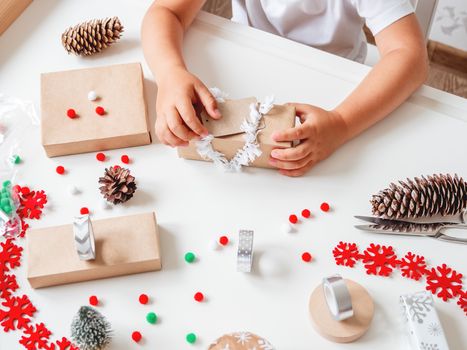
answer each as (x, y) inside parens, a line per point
(10, 256)
(413, 266)
(379, 260)
(36, 337)
(462, 302)
(31, 205)
(17, 313)
(447, 280)
(8, 285)
(64, 344)
(346, 254)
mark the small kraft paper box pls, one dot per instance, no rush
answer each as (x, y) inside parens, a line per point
(120, 92)
(124, 245)
(229, 138)
(10, 10)
(422, 325)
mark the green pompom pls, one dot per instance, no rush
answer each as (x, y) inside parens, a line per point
(90, 330)
(16, 159)
(191, 338)
(190, 257)
(151, 317)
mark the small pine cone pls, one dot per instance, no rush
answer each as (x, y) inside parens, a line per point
(422, 197)
(118, 185)
(93, 36)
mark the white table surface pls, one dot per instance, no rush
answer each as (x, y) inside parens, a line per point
(195, 203)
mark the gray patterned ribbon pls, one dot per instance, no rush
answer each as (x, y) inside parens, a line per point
(84, 238)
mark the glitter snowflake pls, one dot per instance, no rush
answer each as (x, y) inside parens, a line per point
(346, 254)
(462, 302)
(379, 260)
(36, 337)
(8, 285)
(413, 266)
(265, 345)
(31, 204)
(17, 314)
(418, 305)
(435, 329)
(242, 337)
(444, 279)
(426, 346)
(10, 255)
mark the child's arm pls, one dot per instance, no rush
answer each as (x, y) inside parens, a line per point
(162, 34)
(402, 69)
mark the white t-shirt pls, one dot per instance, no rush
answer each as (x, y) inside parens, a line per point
(334, 26)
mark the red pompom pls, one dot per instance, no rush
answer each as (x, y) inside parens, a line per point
(199, 297)
(306, 213)
(136, 336)
(71, 113)
(324, 207)
(293, 219)
(100, 156)
(143, 299)
(306, 257)
(224, 240)
(93, 300)
(84, 211)
(100, 110)
(60, 170)
(125, 159)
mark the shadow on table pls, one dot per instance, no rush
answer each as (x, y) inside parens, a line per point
(452, 329)
(28, 21)
(150, 92)
(169, 251)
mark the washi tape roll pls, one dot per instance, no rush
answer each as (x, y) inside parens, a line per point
(337, 297)
(84, 238)
(245, 251)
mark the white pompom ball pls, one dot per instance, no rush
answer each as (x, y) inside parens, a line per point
(92, 96)
(213, 244)
(73, 190)
(271, 263)
(287, 228)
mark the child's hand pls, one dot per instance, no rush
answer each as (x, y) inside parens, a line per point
(320, 133)
(177, 122)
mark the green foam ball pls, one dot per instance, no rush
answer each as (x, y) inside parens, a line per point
(151, 317)
(191, 338)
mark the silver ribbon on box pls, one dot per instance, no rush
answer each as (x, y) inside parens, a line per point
(245, 251)
(422, 325)
(84, 238)
(337, 297)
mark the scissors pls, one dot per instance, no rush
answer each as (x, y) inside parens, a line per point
(407, 228)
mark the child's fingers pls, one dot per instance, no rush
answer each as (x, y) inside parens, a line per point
(299, 132)
(291, 165)
(165, 135)
(178, 127)
(293, 153)
(187, 112)
(298, 172)
(208, 101)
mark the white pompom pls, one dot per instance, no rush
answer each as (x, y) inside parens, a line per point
(92, 96)
(287, 228)
(213, 244)
(105, 205)
(73, 190)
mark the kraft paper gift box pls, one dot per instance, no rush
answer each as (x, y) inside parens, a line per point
(124, 245)
(422, 325)
(228, 138)
(120, 92)
(10, 10)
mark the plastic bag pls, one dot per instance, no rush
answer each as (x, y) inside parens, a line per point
(17, 117)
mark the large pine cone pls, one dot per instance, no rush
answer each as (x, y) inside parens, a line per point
(422, 197)
(118, 185)
(92, 36)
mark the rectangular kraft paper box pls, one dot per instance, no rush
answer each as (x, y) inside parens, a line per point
(124, 245)
(10, 10)
(120, 92)
(228, 137)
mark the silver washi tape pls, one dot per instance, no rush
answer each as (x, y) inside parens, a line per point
(337, 297)
(245, 251)
(84, 238)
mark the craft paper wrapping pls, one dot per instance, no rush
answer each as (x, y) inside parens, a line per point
(120, 92)
(424, 330)
(228, 138)
(10, 10)
(124, 245)
(241, 341)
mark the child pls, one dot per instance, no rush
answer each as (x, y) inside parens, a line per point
(331, 25)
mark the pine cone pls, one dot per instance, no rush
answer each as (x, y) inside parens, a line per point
(90, 37)
(434, 195)
(118, 185)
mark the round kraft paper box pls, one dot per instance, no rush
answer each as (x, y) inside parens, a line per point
(241, 341)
